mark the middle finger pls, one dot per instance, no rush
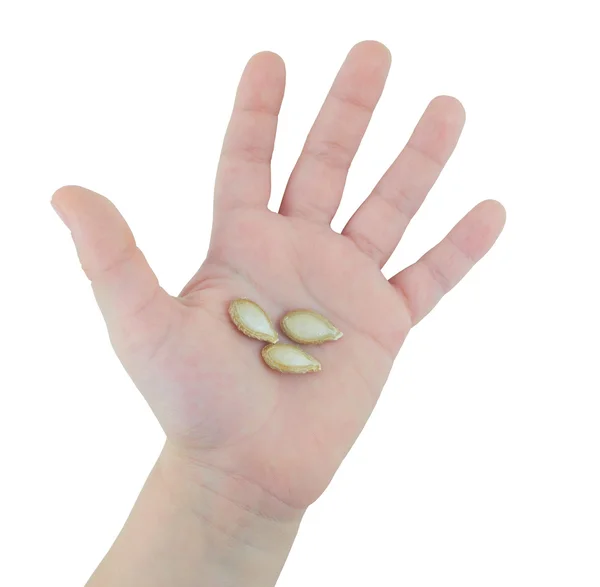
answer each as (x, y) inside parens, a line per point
(316, 184)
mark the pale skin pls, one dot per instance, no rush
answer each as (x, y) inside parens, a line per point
(249, 449)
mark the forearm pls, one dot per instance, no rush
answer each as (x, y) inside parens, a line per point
(196, 527)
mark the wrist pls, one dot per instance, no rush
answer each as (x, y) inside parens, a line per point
(194, 525)
(244, 525)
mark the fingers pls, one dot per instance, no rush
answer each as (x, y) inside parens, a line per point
(244, 174)
(125, 287)
(378, 225)
(316, 184)
(425, 283)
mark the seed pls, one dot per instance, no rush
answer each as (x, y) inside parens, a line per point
(288, 358)
(308, 327)
(252, 320)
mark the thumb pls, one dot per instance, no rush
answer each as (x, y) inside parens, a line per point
(126, 289)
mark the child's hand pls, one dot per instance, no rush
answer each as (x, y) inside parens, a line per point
(218, 403)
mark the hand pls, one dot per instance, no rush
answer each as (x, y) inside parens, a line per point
(217, 401)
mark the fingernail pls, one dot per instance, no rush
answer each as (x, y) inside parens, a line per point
(60, 213)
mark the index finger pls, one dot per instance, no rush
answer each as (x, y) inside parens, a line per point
(244, 173)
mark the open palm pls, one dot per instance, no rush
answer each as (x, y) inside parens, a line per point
(214, 397)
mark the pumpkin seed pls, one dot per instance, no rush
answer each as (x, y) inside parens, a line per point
(308, 327)
(288, 358)
(252, 320)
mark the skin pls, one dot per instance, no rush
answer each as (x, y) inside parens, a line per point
(249, 449)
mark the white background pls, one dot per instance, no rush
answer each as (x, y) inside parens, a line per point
(480, 466)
